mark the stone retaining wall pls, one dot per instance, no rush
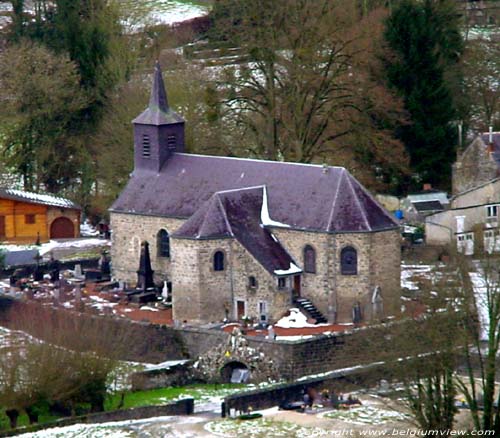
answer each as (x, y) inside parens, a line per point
(159, 343)
(180, 407)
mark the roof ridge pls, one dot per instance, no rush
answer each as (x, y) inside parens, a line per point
(320, 166)
(334, 202)
(224, 214)
(361, 209)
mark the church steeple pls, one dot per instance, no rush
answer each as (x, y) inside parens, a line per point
(158, 99)
(158, 130)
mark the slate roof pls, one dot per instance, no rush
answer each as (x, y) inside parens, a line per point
(302, 196)
(20, 258)
(425, 206)
(37, 198)
(239, 214)
(158, 112)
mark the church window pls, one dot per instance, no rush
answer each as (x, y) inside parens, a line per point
(309, 259)
(252, 282)
(219, 261)
(146, 146)
(171, 141)
(348, 261)
(281, 283)
(163, 244)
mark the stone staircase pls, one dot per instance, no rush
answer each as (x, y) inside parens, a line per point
(310, 309)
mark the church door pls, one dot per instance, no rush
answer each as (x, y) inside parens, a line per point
(240, 309)
(296, 286)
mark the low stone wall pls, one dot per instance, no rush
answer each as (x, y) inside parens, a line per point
(181, 407)
(29, 269)
(175, 375)
(338, 381)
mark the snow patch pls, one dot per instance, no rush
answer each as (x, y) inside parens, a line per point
(293, 269)
(296, 319)
(264, 213)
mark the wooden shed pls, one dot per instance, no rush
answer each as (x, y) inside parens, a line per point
(26, 216)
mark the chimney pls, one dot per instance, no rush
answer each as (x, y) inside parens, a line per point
(490, 147)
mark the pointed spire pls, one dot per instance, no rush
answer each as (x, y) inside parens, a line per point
(158, 112)
(158, 100)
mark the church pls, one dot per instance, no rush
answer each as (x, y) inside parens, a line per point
(246, 239)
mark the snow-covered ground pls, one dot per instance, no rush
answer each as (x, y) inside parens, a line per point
(484, 291)
(52, 245)
(144, 12)
(140, 11)
(411, 273)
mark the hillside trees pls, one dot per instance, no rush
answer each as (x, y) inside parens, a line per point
(89, 35)
(426, 46)
(40, 96)
(308, 92)
(481, 70)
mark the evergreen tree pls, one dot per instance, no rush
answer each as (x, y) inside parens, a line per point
(426, 44)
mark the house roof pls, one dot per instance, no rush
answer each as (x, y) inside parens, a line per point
(485, 137)
(37, 198)
(240, 214)
(300, 196)
(158, 112)
(423, 206)
(429, 195)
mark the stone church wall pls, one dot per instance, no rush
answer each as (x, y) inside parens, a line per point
(314, 286)
(379, 259)
(128, 231)
(219, 291)
(202, 294)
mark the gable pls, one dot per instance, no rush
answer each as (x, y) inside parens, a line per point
(242, 215)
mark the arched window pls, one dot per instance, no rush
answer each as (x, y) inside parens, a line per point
(163, 244)
(309, 259)
(219, 261)
(348, 261)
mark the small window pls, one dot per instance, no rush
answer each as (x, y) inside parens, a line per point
(163, 244)
(263, 311)
(146, 146)
(492, 211)
(171, 142)
(219, 261)
(309, 259)
(281, 282)
(29, 219)
(252, 282)
(348, 261)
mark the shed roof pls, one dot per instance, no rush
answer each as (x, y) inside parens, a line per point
(300, 196)
(424, 206)
(37, 198)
